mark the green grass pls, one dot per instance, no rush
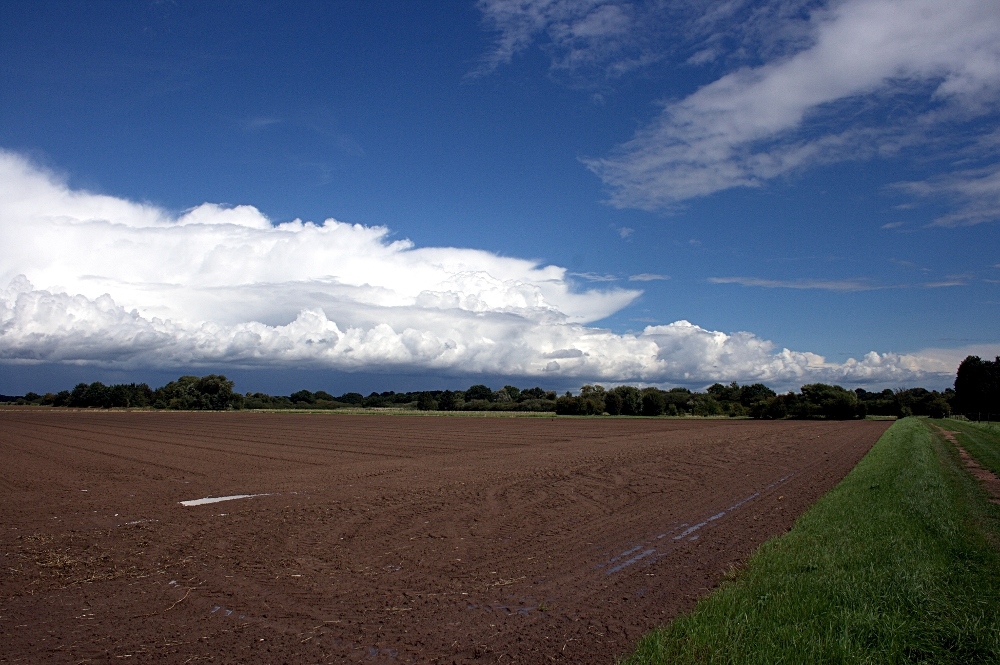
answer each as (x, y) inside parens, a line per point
(897, 564)
(981, 440)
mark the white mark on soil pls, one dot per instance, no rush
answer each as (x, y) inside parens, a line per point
(631, 561)
(217, 499)
(687, 533)
(692, 529)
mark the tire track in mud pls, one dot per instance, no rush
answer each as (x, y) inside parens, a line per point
(456, 540)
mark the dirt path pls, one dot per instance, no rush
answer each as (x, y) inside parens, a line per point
(986, 478)
(383, 539)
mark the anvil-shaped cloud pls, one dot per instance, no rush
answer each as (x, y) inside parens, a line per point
(98, 279)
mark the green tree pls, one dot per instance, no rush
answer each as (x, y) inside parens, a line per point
(592, 399)
(977, 386)
(211, 392)
(303, 396)
(447, 401)
(631, 400)
(568, 405)
(653, 402)
(479, 391)
(613, 403)
(352, 398)
(513, 392)
(426, 402)
(831, 402)
(755, 393)
(704, 405)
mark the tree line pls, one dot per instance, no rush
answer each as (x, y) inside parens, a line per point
(976, 395)
(212, 392)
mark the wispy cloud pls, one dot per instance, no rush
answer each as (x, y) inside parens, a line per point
(819, 101)
(595, 277)
(893, 225)
(260, 122)
(974, 193)
(844, 285)
(600, 40)
(647, 277)
(101, 280)
(821, 284)
(608, 35)
(943, 284)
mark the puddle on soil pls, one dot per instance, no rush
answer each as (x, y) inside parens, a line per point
(217, 499)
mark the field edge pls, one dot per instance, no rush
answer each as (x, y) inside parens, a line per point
(899, 562)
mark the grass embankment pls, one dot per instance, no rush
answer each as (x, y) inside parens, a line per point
(981, 440)
(898, 563)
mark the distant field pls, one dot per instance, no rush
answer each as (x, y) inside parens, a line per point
(899, 563)
(396, 540)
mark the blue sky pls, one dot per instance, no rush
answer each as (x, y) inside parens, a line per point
(805, 183)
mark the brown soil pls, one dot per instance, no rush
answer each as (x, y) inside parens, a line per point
(987, 479)
(383, 539)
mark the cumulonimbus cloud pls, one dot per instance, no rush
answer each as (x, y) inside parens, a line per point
(102, 280)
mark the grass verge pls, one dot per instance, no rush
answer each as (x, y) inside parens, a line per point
(981, 440)
(897, 564)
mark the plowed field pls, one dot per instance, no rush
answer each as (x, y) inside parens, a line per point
(382, 539)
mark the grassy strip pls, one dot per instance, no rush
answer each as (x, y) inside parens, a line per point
(982, 440)
(898, 563)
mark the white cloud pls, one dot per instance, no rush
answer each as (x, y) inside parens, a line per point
(758, 123)
(844, 285)
(595, 277)
(974, 192)
(647, 277)
(822, 284)
(582, 35)
(101, 280)
(598, 40)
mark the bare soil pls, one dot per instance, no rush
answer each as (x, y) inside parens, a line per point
(382, 539)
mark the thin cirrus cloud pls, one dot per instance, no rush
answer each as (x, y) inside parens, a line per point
(582, 34)
(102, 280)
(843, 285)
(819, 102)
(974, 193)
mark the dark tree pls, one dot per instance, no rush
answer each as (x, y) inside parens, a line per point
(303, 396)
(211, 392)
(653, 402)
(568, 405)
(534, 393)
(479, 391)
(513, 392)
(977, 386)
(631, 400)
(754, 393)
(613, 403)
(833, 402)
(447, 401)
(426, 402)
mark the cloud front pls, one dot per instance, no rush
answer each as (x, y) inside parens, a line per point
(96, 279)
